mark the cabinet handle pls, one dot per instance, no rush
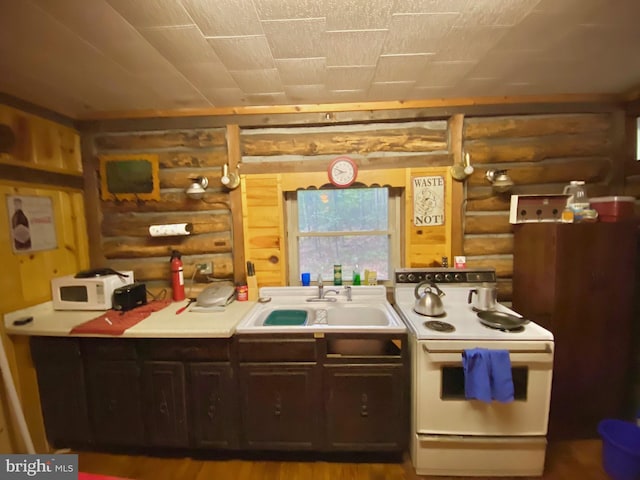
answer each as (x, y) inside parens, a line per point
(364, 411)
(278, 406)
(164, 409)
(111, 406)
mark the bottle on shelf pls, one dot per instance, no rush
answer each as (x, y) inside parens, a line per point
(356, 275)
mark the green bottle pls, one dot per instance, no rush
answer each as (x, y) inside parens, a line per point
(356, 275)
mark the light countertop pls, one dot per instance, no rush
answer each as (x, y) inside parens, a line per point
(162, 324)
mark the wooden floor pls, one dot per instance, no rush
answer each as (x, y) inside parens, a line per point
(565, 461)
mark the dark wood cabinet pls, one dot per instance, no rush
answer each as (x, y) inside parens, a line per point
(164, 394)
(365, 407)
(260, 392)
(213, 406)
(63, 394)
(115, 402)
(280, 405)
(578, 282)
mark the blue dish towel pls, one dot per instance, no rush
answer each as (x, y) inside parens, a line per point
(487, 375)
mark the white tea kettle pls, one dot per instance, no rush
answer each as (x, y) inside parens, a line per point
(429, 303)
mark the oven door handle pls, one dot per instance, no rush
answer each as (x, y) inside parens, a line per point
(546, 349)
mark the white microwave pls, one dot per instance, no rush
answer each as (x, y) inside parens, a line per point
(90, 293)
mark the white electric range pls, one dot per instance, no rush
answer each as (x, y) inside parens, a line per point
(451, 435)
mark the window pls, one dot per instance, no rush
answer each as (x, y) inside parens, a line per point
(353, 226)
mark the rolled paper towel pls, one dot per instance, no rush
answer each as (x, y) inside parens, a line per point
(170, 230)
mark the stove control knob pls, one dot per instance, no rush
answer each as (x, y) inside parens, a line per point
(448, 277)
(458, 277)
(428, 276)
(411, 277)
(402, 278)
(438, 277)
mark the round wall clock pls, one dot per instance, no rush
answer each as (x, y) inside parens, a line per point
(342, 171)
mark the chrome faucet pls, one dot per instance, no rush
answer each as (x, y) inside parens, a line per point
(322, 293)
(347, 291)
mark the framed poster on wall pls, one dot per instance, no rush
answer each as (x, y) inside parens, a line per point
(428, 201)
(31, 223)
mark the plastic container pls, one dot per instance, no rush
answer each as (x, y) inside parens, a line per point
(620, 449)
(578, 199)
(614, 209)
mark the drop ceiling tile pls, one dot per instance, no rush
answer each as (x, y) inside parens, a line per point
(181, 45)
(397, 68)
(270, 98)
(346, 96)
(390, 90)
(258, 81)
(159, 13)
(227, 97)
(354, 47)
(304, 38)
(433, 92)
(304, 93)
(206, 76)
(243, 53)
(417, 33)
(302, 71)
(444, 74)
(224, 18)
(358, 15)
(429, 6)
(279, 10)
(349, 78)
(469, 43)
(496, 12)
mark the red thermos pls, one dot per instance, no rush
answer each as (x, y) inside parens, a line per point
(177, 276)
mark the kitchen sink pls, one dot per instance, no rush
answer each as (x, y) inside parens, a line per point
(287, 310)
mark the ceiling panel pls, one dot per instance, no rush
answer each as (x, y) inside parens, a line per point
(224, 18)
(93, 56)
(364, 47)
(310, 35)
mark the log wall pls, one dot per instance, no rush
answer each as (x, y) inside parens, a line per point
(407, 149)
(542, 154)
(124, 237)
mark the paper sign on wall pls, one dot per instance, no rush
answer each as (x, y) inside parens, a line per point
(31, 223)
(428, 201)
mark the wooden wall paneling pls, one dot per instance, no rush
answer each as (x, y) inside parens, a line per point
(41, 143)
(264, 225)
(425, 246)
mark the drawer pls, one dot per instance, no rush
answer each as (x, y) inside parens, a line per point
(108, 349)
(202, 349)
(277, 350)
(47, 349)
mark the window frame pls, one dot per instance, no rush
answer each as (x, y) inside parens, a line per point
(394, 231)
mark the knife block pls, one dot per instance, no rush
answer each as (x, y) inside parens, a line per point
(252, 285)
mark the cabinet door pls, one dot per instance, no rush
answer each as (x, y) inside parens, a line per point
(365, 407)
(115, 402)
(165, 404)
(280, 406)
(212, 405)
(63, 395)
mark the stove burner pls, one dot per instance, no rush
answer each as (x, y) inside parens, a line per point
(439, 326)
